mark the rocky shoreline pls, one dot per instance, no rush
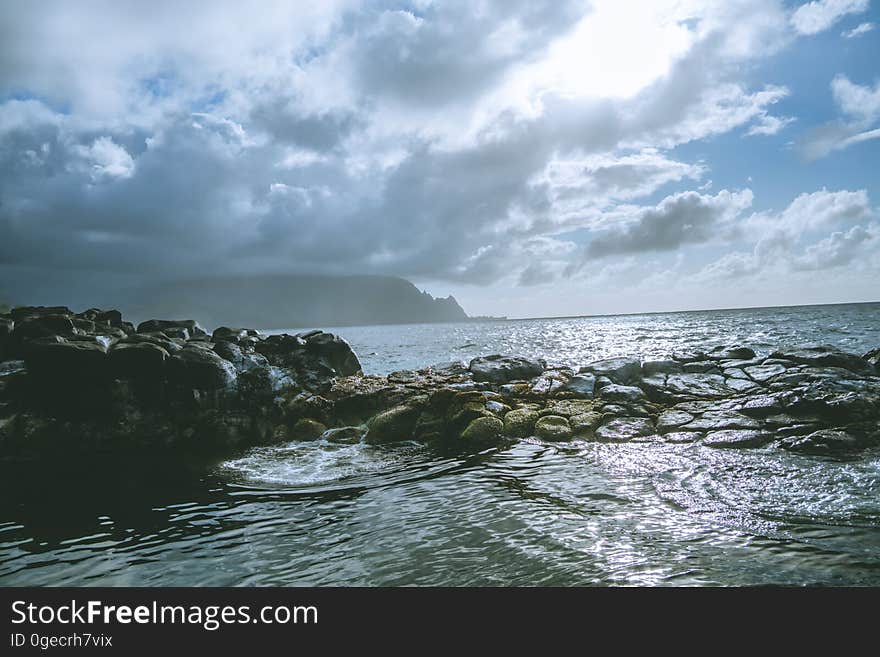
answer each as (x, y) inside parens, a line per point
(81, 384)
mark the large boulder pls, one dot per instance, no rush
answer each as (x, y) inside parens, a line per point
(23, 312)
(520, 422)
(553, 427)
(193, 367)
(42, 326)
(7, 324)
(56, 359)
(483, 430)
(873, 358)
(138, 360)
(394, 425)
(316, 357)
(504, 369)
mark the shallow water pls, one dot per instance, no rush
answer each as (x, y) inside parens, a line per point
(529, 514)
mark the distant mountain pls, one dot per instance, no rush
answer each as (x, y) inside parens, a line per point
(292, 301)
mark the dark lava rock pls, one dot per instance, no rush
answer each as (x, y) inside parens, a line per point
(201, 368)
(581, 385)
(620, 393)
(873, 358)
(504, 369)
(138, 360)
(236, 335)
(823, 356)
(172, 327)
(57, 358)
(394, 425)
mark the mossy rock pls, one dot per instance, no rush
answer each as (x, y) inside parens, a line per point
(520, 422)
(394, 425)
(307, 429)
(483, 430)
(553, 427)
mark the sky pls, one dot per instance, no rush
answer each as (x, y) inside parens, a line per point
(531, 158)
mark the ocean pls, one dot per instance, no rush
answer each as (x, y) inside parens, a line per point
(533, 513)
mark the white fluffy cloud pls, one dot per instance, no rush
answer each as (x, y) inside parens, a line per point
(819, 15)
(859, 106)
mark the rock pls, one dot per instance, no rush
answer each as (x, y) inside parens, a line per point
(621, 393)
(762, 373)
(873, 358)
(236, 335)
(824, 441)
(697, 386)
(731, 353)
(520, 422)
(742, 385)
(344, 435)
(716, 420)
(6, 327)
(624, 429)
(202, 369)
(335, 352)
(307, 429)
(57, 358)
(619, 370)
(394, 425)
(701, 367)
(585, 424)
(553, 427)
(138, 360)
(242, 359)
(184, 328)
(737, 438)
(483, 430)
(670, 420)
(653, 367)
(504, 369)
(568, 407)
(42, 326)
(581, 385)
(682, 436)
(823, 356)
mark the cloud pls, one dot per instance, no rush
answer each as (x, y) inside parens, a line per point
(448, 142)
(859, 30)
(787, 241)
(686, 218)
(818, 16)
(859, 106)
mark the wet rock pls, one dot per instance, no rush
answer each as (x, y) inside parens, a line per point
(823, 356)
(394, 425)
(308, 429)
(553, 427)
(742, 385)
(504, 369)
(670, 420)
(873, 358)
(731, 353)
(763, 373)
(585, 423)
(483, 430)
(344, 435)
(138, 360)
(520, 422)
(201, 368)
(716, 420)
(682, 436)
(824, 441)
(737, 438)
(242, 359)
(697, 386)
(57, 358)
(653, 367)
(581, 385)
(624, 429)
(621, 393)
(184, 328)
(235, 335)
(701, 367)
(42, 326)
(618, 370)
